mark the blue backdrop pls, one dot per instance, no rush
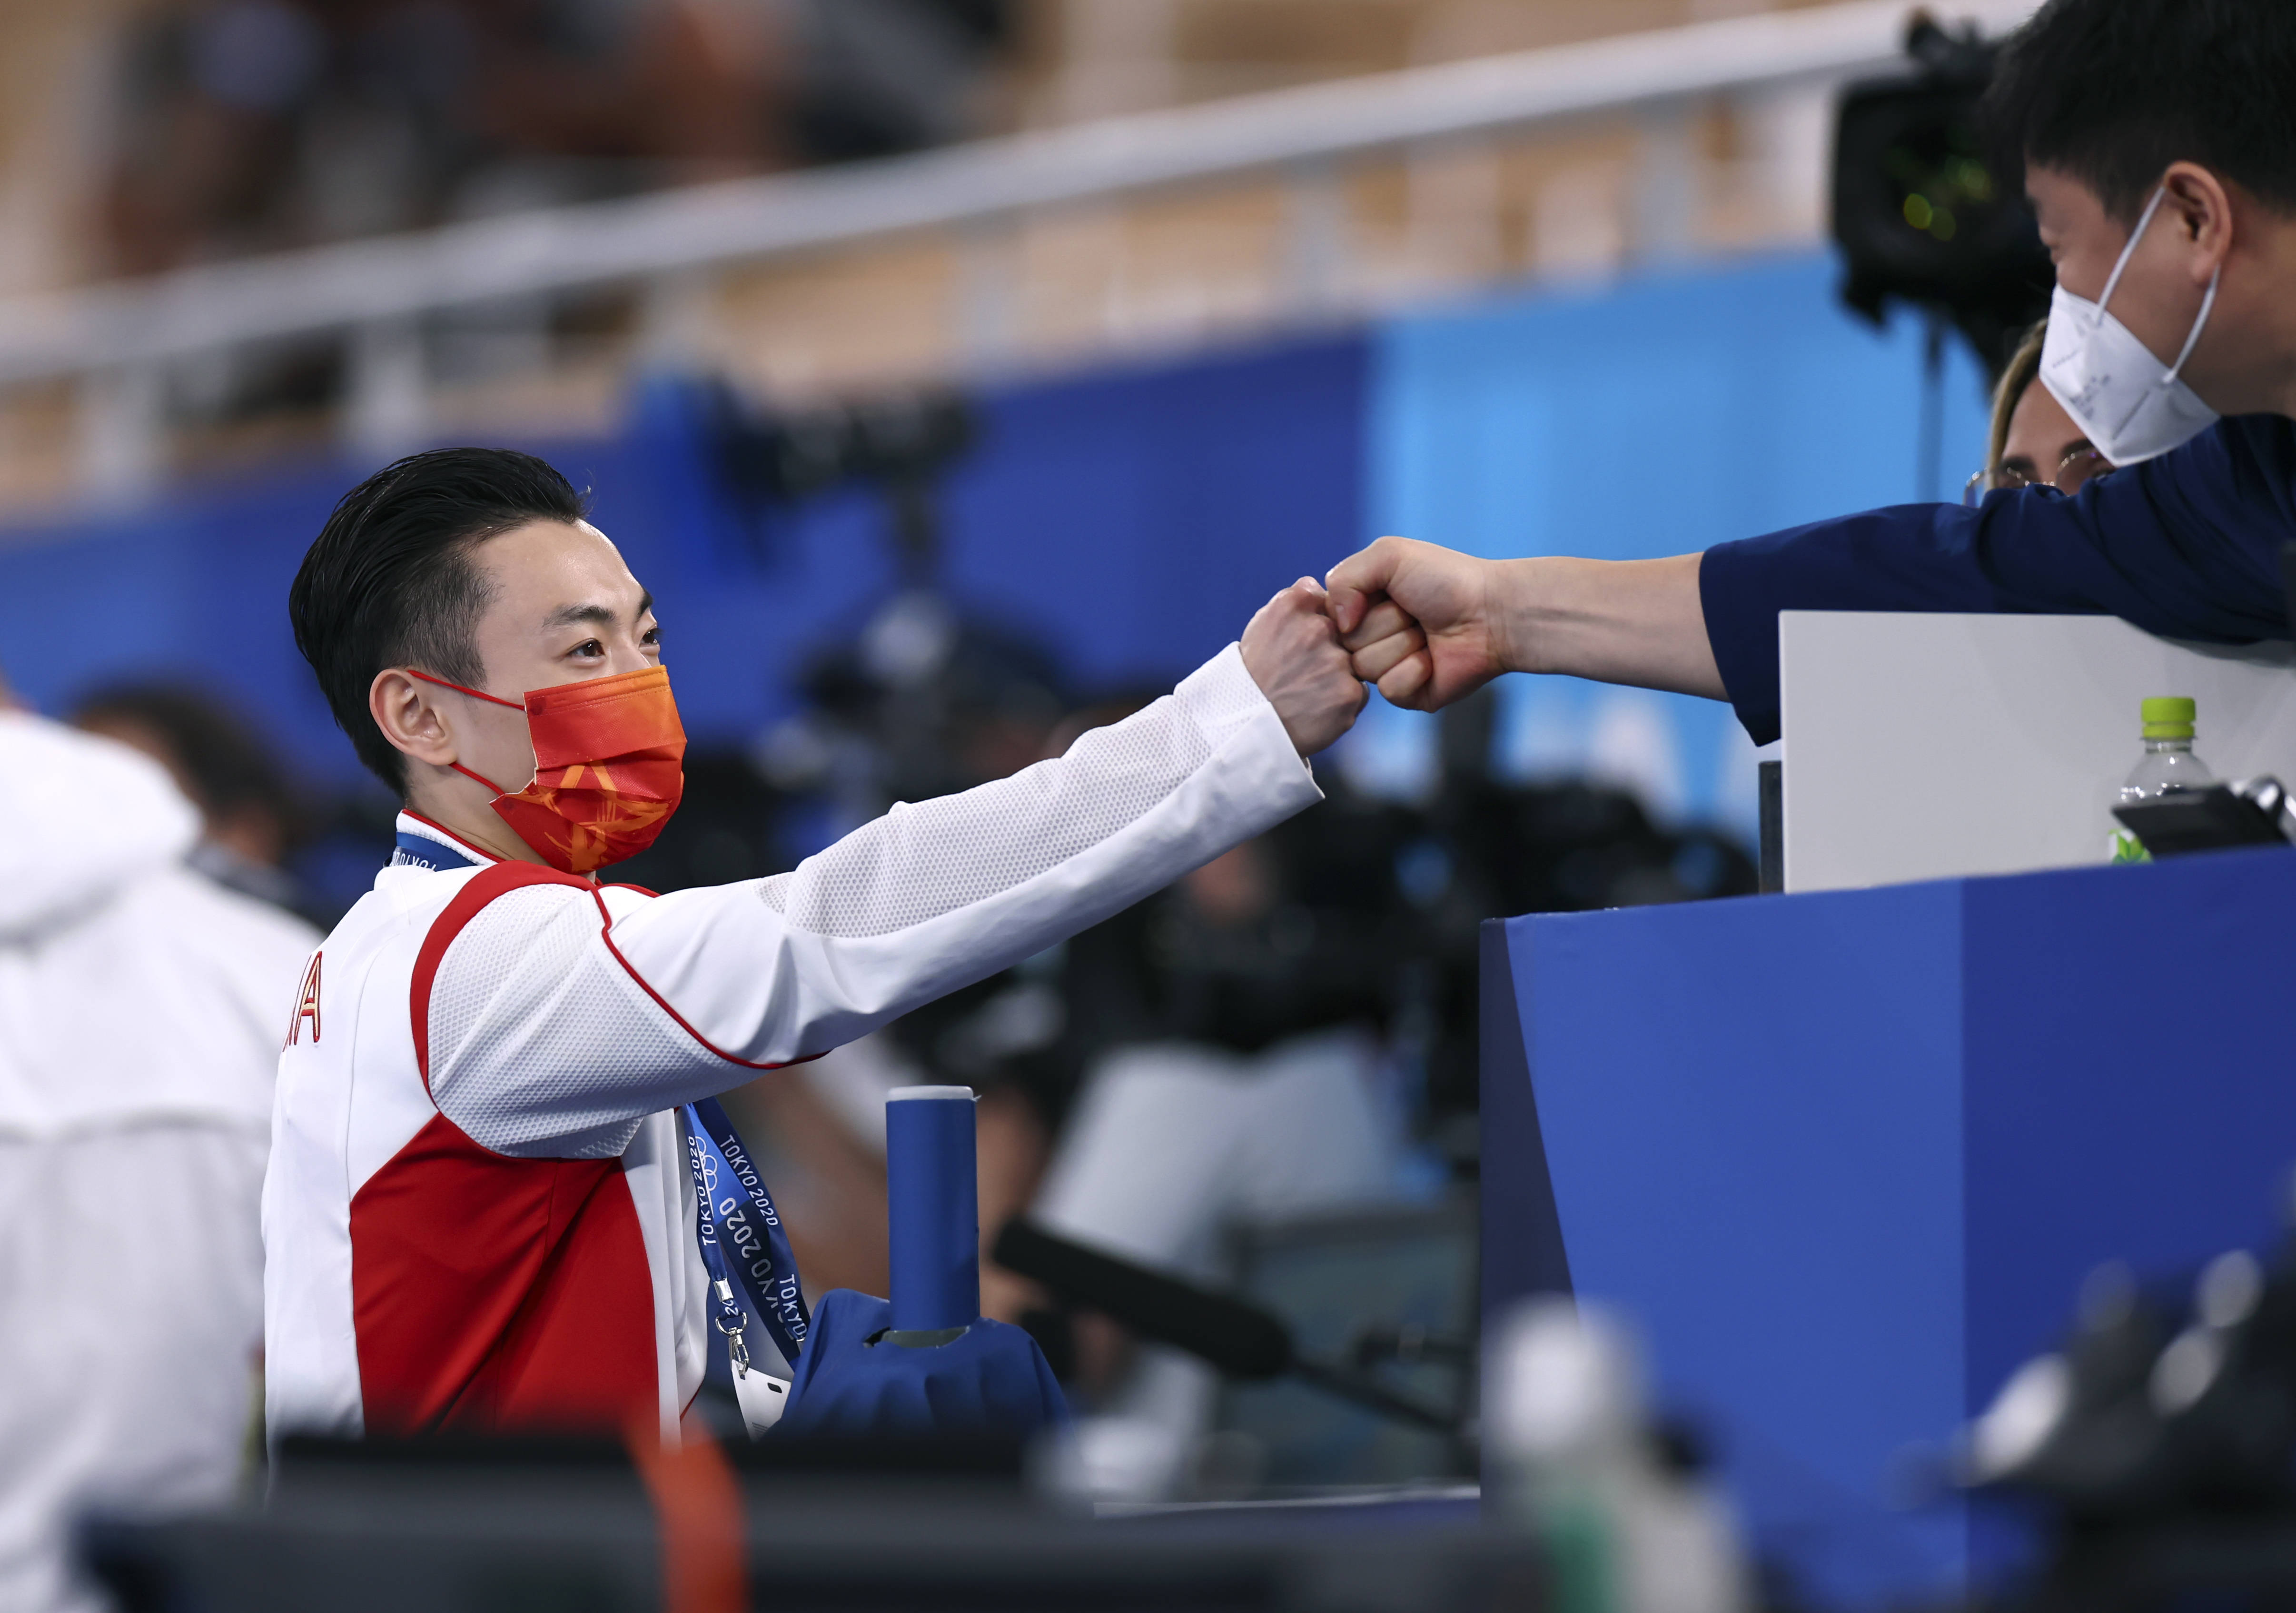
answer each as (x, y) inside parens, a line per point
(1134, 518)
(1652, 418)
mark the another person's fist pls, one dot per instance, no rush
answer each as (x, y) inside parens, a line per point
(1418, 620)
(1292, 651)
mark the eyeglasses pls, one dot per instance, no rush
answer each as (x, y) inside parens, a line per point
(2079, 467)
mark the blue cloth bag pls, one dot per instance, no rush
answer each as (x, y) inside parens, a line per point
(993, 1379)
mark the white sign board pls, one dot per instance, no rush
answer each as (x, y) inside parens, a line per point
(1932, 746)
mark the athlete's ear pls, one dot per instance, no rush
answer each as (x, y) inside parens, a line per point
(2199, 202)
(411, 717)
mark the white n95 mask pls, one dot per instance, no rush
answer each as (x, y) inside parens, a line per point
(2129, 405)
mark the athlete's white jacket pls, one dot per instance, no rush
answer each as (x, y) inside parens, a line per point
(477, 1210)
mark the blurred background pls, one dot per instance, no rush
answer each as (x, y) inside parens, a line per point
(958, 373)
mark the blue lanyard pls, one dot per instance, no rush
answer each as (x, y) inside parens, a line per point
(727, 1192)
(737, 1218)
(421, 851)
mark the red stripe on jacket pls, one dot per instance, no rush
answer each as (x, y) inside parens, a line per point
(489, 1292)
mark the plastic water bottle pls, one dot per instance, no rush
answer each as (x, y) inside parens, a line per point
(2169, 765)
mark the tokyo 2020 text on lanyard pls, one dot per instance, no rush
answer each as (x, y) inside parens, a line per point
(743, 1245)
(743, 1241)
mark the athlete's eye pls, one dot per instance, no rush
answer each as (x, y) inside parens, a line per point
(589, 646)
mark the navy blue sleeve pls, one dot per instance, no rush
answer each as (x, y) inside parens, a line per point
(2186, 546)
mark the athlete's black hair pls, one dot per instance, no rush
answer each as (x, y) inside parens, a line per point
(388, 581)
(2113, 91)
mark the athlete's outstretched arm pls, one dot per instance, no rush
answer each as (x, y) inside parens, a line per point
(1430, 625)
(559, 1017)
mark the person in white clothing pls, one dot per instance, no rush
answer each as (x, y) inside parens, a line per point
(141, 1009)
(480, 1211)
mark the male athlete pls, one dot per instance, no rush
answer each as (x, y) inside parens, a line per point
(480, 1211)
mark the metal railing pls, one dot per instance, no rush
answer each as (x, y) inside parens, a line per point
(116, 341)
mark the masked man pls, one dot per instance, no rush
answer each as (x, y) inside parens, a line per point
(493, 1101)
(2161, 162)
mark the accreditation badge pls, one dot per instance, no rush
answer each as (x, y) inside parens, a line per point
(763, 1396)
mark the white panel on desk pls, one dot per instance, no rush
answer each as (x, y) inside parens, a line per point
(1931, 745)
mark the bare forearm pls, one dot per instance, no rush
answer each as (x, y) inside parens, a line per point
(1636, 621)
(1431, 625)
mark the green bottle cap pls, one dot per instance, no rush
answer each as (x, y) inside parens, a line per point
(2167, 717)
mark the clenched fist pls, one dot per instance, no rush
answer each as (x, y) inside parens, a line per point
(1419, 620)
(1292, 651)
(1431, 626)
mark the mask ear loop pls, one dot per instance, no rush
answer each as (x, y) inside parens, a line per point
(2200, 321)
(446, 683)
(2200, 324)
(2120, 267)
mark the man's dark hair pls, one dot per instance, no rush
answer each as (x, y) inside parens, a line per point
(389, 582)
(2113, 91)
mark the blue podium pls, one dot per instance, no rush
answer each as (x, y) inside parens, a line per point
(1846, 1158)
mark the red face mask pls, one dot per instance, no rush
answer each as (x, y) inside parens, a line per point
(609, 767)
